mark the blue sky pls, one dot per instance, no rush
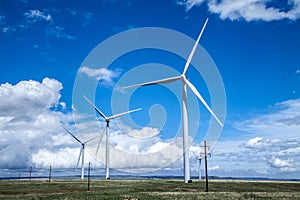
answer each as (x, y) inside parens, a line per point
(254, 44)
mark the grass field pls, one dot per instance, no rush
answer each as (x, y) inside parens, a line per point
(147, 189)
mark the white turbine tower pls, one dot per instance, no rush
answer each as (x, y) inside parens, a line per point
(107, 120)
(81, 154)
(185, 82)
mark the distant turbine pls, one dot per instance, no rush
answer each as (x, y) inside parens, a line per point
(199, 166)
(185, 82)
(81, 154)
(107, 120)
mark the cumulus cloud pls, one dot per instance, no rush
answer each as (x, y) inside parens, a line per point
(250, 10)
(281, 154)
(29, 97)
(104, 75)
(287, 165)
(259, 157)
(31, 134)
(132, 153)
(276, 138)
(30, 118)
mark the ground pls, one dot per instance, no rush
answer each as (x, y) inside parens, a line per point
(147, 189)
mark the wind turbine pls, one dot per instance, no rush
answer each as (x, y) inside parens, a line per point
(107, 120)
(199, 166)
(81, 154)
(185, 82)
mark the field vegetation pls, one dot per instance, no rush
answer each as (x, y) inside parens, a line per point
(147, 189)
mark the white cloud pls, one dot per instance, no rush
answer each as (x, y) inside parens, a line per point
(145, 132)
(8, 29)
(270, 148)
(31, 134)
(30, 20)
(190, 3)
(276, 158)
(282, 120)
(59, 32)
(4, 28)
(59, 158)
(29, 97)
(2, 17)
(284, 165)
(29, 120)
(83, 16)
(104, 75)
(37, 15)
(214, 168)
(253, 142)
(249, 10)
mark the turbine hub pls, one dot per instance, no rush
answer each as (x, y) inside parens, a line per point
(182, 77)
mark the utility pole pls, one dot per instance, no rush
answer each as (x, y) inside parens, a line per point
(206, 173)
(89, 176)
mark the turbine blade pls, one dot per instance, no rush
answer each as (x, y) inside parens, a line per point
(73, 136)
(202, 100)
(91, 139)
(187, 64)
(124, 113)
(162, 81)
(79, 156)
(98, 111)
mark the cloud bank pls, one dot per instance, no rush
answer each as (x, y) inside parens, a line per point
(249, 10)
(271, 147)
(31, 134)
(280, 121)
(32, 115)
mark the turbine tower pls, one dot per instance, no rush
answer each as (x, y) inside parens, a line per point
(81, 154)
(185, 82)
(107, 120)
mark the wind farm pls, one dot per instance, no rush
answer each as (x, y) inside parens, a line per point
(115, 99)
